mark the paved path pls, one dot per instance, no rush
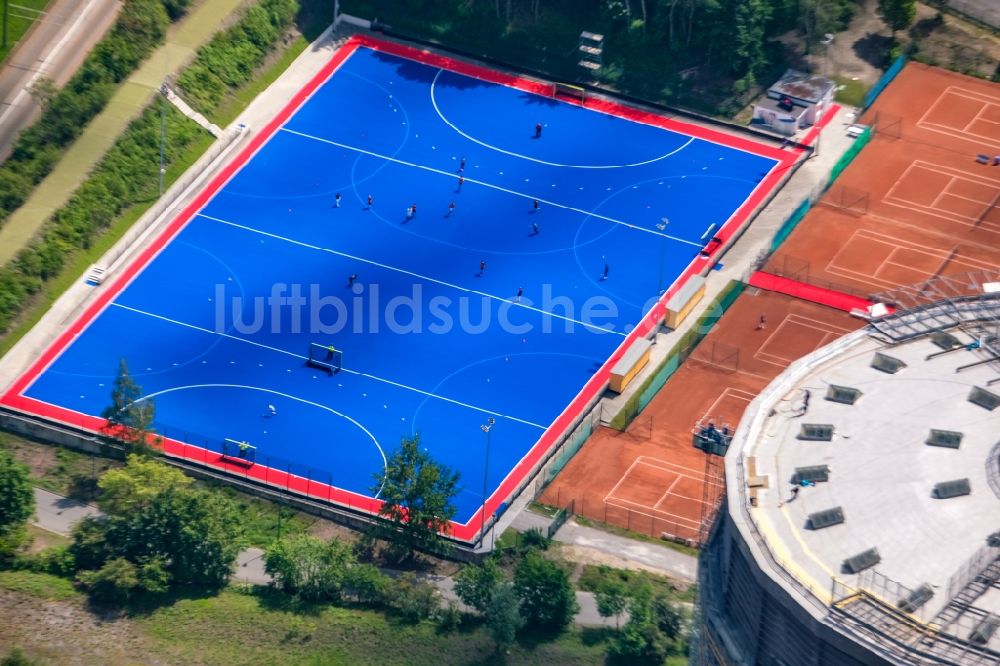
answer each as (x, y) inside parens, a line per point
(54, 47)
(132, 96)
(650, 556)
(58, 514)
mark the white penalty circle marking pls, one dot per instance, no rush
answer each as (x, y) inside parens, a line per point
(385, 462)
(533, 159)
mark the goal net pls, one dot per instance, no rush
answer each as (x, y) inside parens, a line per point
(325, 357)
(566, 91)
(243, 452)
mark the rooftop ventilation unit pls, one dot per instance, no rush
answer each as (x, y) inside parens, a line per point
(984, 398)
(842, 394)
(816, 432)
(815, 474)
(985, 629)
(887, 363)
(949, 489)
(826, 518)
(862, 561)
(949, 439)
(945, 340)
(915, 599)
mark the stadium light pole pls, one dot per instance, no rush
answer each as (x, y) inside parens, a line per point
(163, 133)
(486, 428)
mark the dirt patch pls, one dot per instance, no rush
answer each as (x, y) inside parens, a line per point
(947, 41)
(39, 458)
(64, 632)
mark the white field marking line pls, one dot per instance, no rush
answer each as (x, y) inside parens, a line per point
(975, 138)
(674, 518)
(729, 391)
(779, 361)
(664, 495)
(844, 248)
(958, 92)
(963, 198)
(621, 480)
(343, 369)
(385, 462)
(818, 324)
(959, 173)
(674, 471)
(903, 176)
(532, 159)
(410, 273)
(974, 118)
(729, 371)
(670, 465)
(944, 190)
(944, 215)
(490, 185)
(864, 277)
(55, 49)
(926, 249)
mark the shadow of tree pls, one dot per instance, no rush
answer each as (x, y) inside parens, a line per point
(873, 48)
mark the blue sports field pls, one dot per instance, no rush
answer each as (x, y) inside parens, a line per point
(216, 327)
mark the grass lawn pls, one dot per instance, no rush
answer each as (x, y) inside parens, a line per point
(23, 13)
(39, 585)
(592, 578)
(850, 92)
(240, 627)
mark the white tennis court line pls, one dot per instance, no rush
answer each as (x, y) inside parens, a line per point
(371, 262)
(343, 369)
(805, 322)
(674, 518)
(948, 216)
(729, 391)
(622, 479)
(669, 489)
(670, 466)
(954, 131)
(452, 176)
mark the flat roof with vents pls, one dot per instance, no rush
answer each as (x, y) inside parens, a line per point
(895, 484)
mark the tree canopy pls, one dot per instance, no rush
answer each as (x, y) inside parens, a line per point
(17, 503)
(416, 494)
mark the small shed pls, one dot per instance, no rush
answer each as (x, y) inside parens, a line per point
(795, 101)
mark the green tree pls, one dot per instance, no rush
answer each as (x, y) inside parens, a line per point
(475, 584)
(367, 584)
(310, 568)
(612, 599)
(503, 616)
(17, 497)
(131, 487)
(17, 504)
(129, 418)
(178, 536)
(897, 14)
(652, 632)
(547, 599)
(416, 495)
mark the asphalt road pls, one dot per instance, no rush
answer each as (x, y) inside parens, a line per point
(55, 47)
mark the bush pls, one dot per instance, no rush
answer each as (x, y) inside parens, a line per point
(367, 584)
(449, 618)
(547, 599)
(230, 59)
(58, 561)
(533, 538)
(310, 568)
(413, 599)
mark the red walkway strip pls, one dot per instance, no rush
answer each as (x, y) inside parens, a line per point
(808, 292)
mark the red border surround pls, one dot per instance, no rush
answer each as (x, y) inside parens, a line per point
(464, 531)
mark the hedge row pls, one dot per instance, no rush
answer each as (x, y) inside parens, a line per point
(230, 60)
(140, 27)
(129, 174)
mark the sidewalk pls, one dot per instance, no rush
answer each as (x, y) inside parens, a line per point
(132, 96)
(59, 514)
(648, 556)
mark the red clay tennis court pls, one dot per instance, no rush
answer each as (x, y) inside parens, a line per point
(650, 478)
(920, 201)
